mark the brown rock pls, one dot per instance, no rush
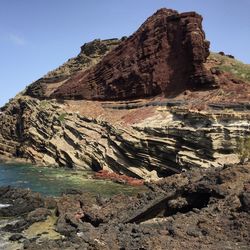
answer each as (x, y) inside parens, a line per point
(39, 214)
(165, 56)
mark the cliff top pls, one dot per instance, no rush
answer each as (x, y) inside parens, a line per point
(167, 57)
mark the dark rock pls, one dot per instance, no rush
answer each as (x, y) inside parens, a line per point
(50, 202)
(40, 214)
(170, 228)
(26, 244)
(245, 198)
(17, 227)
(230, 56)
(22, 201)
(141, 223)
(15, 237)
(64, 227)
(193, 232)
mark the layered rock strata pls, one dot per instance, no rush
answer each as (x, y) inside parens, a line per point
(167, 141)
(144, 138)
(91, 53)
(165, 56)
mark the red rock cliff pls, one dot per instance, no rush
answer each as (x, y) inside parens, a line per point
(165, 56)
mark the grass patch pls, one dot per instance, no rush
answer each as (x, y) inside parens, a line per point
(44, 104)
(62, 117)
(232, 66)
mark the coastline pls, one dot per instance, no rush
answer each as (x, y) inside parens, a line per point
(201, 204)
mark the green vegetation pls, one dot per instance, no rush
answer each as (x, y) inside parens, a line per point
(243, 148)
(232, 66)
(44, 104)
(62, 117)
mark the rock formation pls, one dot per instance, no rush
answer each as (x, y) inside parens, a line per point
(144, 138)
(186, 124)
(91, 53)
(165, 56)
(199, 209)
(142, 142)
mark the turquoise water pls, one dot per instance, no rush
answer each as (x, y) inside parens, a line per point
(53, 181)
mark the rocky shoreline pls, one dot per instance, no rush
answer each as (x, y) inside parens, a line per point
(154, 110)
(147, 106)
(199, 209)
(146, 143)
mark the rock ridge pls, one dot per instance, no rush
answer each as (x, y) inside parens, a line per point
(165, 56)
(90, 54)
(169, 140)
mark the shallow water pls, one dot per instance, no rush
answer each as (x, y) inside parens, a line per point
(53, 181)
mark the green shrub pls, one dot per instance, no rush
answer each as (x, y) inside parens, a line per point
(243, 148)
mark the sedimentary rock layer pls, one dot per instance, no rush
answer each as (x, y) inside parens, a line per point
(141, 138)
(165, 56)
(165, 142)
(91, 53)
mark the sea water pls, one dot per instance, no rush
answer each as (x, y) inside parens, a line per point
(53, 181)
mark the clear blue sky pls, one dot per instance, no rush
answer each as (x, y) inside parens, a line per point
(38, 35)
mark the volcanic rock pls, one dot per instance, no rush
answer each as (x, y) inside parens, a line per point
(39, 214)
(143, 138)
(21, 201)
(164, 56)
(91, 53)
(211, 220)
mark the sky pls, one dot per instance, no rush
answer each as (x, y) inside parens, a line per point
(37, 36)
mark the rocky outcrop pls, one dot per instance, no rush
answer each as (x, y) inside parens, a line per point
(199, 209)
(91, 53)
(164, 56)
(145, 138)
(19, 201)
(167, 141)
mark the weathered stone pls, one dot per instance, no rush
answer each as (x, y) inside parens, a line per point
(245, 198)
(168, 140)
(39, 214)
(90, 54)
(15, 237)
(146, 138)
(164, 56)
(216, 223)
(21, 201)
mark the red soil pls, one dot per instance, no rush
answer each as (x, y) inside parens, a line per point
(106, 175)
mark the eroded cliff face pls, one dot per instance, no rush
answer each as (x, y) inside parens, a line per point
(147, 137)
(165, 56)
(91, 53)
(144, 142)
